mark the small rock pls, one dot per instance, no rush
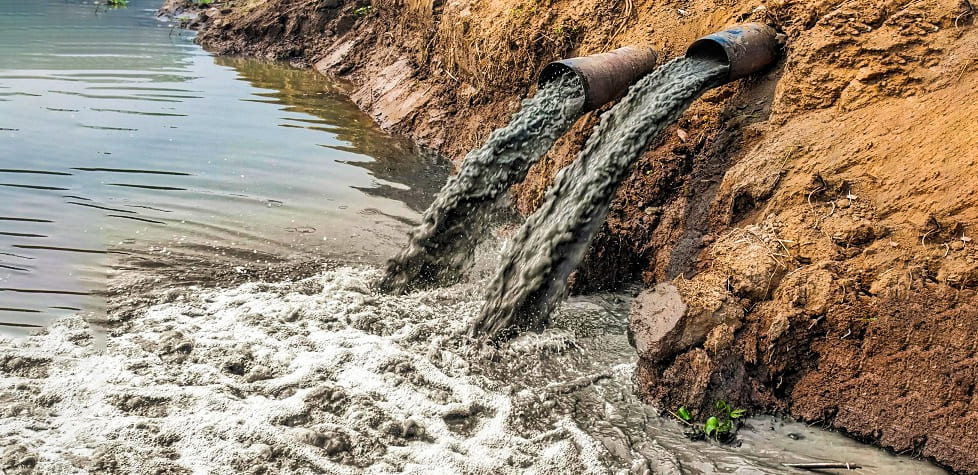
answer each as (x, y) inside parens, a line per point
(670, 318)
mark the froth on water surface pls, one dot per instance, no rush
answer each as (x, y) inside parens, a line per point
(323, 375)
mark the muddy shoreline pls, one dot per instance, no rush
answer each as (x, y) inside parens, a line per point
(815, 220)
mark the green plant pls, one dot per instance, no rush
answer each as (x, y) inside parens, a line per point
(521, 11)
(562, 30)
(684, 415)
(720, 426)
(364, 11)
(117, 3)
(203, 2)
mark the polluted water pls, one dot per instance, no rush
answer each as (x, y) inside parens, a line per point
(532, 277)
(451, 228)
(325, 375)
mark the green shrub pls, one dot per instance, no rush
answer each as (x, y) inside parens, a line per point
(720, 426)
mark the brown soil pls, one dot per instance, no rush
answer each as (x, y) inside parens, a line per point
(831, 198)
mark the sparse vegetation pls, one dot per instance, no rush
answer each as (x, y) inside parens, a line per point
(720, 426)
(365, 11)
(521, 11)
(117, 3)
(563, 30)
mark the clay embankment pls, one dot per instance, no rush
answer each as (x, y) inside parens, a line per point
(815, 220)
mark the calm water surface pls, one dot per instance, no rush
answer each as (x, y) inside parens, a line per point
(121, 140)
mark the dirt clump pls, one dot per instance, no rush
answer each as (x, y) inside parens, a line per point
(674, 317)
(830, 196)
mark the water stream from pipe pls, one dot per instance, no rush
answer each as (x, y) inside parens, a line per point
(452, 227)
(532, 278)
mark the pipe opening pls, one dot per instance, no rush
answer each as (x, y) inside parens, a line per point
(746, 49)
(558, 70)
(604, 77)
(554, 71)
(705, 48)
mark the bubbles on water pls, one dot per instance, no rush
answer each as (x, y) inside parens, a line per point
(323, 375)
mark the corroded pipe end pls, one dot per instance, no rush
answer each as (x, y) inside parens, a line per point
(746, 48)
(606, 76)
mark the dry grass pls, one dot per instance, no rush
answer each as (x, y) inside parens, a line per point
(488, 54)
(424, 8)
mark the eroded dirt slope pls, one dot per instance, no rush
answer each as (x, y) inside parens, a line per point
(815, 220)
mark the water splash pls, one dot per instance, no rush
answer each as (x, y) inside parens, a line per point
(532, 278)
(451, 228)
(325, 375)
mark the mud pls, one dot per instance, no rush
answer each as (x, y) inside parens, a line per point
(855, 154)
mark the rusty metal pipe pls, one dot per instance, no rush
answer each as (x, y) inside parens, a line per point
(606, 76)
(746, 48)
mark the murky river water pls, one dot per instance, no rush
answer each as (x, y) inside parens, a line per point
(120, 137)
(121, 141)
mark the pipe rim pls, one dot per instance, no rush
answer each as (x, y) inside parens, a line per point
(708, 48)
(556, 69)
(745, 48)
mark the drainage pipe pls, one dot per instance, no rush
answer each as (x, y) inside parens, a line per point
(606, 76)
(746, 48)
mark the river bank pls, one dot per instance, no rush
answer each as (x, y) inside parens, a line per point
(815, 221)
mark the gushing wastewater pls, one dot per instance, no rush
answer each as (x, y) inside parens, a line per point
(326, 375)
(532, 278)
(452, 227)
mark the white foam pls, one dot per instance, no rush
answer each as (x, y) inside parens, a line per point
(323, 375)
(397, 361)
